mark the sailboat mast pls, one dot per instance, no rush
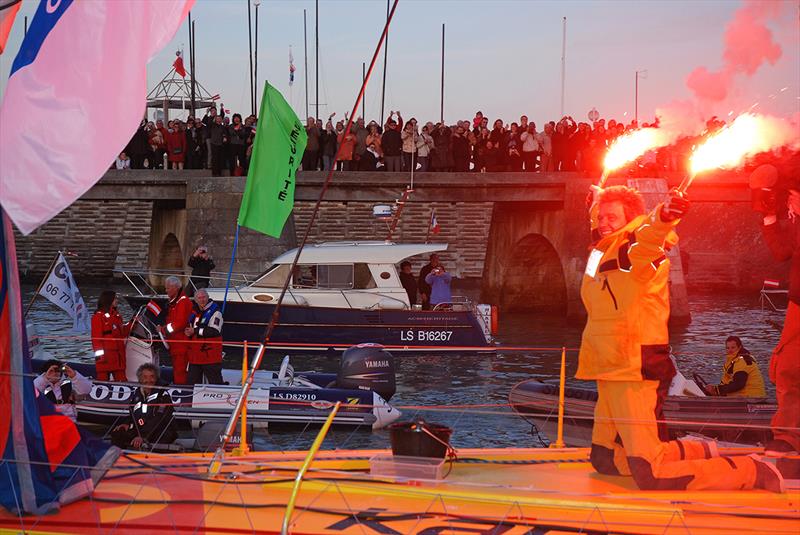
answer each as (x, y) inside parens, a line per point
(305, 56)
(385, 59)
(316, 56)
(250, 41)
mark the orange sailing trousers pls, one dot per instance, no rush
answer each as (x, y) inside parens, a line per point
(625, 441)
(784, 371)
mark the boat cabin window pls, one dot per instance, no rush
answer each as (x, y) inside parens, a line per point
(274, 277)
(334, 276)
(305, 276)
(363, 277)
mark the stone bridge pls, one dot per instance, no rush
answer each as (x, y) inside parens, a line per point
(524, 237)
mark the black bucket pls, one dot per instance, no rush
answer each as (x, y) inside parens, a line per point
(410, 439)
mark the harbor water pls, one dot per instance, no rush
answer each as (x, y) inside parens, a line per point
(469, 393)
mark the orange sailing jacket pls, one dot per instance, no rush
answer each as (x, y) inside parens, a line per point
(626, 294)
(108, 340)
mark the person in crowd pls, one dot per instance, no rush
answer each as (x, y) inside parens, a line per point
(424, 147)
(208, 120)
(179, 309)
(478, 120)
(158, 147)
(392, 143)
(329, 144)
(122, 161)
(461, 150)
(513, 152)
(410, 137)
(150, 414)
(205, 336)
(63, 386)
(545, 139)
(311, 154)
(592, 158)
(442, 156)
(176, 145)
(202, 265)
(137, 148)
(423, 285)
(783, 239)
(237, 134)
(439, 280)
(409, 282)
(374, 138)
(217, 137)
(361, 132)
(192, 148)
(530, 146)
(347, 147)
(625, 349)
(497, 149)
(108, 338)
(370, 160)
(740, 374)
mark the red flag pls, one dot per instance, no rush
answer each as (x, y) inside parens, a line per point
(178, 65)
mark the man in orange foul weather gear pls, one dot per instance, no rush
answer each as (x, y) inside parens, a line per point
(783, 238)
(108, 338)
(625, 348)
(179, 309)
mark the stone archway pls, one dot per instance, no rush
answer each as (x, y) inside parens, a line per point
(533, 278)
(170, 256)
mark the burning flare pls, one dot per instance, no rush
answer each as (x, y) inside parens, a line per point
(748, 135)
(630, 146)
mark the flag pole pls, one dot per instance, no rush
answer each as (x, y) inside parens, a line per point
(46, 276)
(305, 58)
(230, 268)
(250, 41)
(430, 223)
(216, 464)
(316, 59)
(385, 59)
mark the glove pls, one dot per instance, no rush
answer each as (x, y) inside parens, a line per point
(763, 201)
(676, 206)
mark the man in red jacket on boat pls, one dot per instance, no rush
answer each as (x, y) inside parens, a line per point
(625, 349)
(179, 310)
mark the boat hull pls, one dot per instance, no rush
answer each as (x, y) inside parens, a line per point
(324, 329)
(728, 419)
(108, 402)
(508, 491)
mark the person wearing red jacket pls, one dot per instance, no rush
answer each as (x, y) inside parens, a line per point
(108, 338)
(176, 145)
(205, 331)
(179, 310)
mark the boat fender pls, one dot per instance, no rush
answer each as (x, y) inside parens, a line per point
(391, 304)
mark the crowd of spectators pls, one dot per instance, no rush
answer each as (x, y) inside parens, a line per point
(219, 142)
(215, 141)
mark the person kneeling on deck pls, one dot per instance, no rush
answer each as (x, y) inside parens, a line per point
(62, 386)
(179, 309)
(740, 374)
(151, 415)
(108, 339)
(205, 340)
(625, 348)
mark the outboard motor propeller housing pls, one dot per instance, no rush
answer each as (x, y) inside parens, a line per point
(367, 367)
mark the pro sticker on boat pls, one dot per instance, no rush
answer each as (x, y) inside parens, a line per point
(594, 260)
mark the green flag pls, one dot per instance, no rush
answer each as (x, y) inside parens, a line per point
(277, 151)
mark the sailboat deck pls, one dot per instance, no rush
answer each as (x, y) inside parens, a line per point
(493, 491)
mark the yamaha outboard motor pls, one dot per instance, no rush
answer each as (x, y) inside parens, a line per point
(367, 367)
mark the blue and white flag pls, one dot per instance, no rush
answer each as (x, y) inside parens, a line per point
(61, 290)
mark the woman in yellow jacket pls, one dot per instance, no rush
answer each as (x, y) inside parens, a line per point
(625, 349)
(740, 374)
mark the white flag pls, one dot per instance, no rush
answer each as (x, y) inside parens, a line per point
(61, 290)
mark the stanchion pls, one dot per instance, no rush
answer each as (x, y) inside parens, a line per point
(559, 443)
(243, 449)
(298, 481)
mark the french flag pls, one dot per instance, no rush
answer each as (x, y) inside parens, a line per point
(178, 65)
(434, 223)
(79, 64)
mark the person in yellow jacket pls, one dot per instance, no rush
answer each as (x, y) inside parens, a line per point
(740, 374)
(625, 349)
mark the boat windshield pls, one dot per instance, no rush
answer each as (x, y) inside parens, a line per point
(333, 276)
(274, 277)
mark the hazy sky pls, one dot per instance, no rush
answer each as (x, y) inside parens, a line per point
(502, 57)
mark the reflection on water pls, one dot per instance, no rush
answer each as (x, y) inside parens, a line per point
(468, 392)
